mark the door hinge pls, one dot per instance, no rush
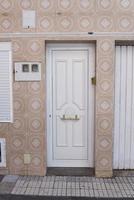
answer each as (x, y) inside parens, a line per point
(93, 80)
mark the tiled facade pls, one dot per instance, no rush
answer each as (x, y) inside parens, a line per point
(28, 132)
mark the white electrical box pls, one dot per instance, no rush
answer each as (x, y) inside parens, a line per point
(27, 71)
(28, 18)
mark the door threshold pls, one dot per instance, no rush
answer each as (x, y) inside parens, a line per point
(70, 171)
(123, 172)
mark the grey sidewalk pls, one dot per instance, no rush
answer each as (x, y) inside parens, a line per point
(69, 186)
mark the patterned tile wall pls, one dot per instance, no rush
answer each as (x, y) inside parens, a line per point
(26, 134)
(69, 15)
(104, 106)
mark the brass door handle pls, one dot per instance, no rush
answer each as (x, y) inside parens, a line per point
(75, 117)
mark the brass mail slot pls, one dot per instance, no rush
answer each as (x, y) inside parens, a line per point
(75, 117)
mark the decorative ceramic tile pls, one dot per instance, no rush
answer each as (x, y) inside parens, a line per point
(104, 86)
(34, 88)
(105, 23)
(3, 129)
(104, 66)
(7, 24)
(25, 4)
(125, 23)
(104, 143)
(17, 142)
(16, 164)
(34, 47)
(104, 124)
(46, 5)
(86, 23)
(104, 105)
(17, 47)
(35, 105)
(19, 105)
(105, 47)
(37, 166)
(86, 5)
(104, 161)
(65, 23)
(46, 23)
(35, 143)
(125, 5)
(66, 5)
(6, 5)
(19, 124)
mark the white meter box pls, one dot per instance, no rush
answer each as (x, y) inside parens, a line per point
(27, 71)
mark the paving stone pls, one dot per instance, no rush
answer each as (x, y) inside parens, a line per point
(59, 192)
(56, 185)
(82, 192)
(110, 193)
(96, 193)
(63, 192)
(64, 184)
(27, 190)
(60, 184)
(14, 190)
(100, 193)
(18, 191)
(36, 191)
(77, 185)
(87, 193)
(105, 193)
(23, 190)
(50, 192)
(55, 192)
(91, 193)
(45, 192)
(70, 186)
(41, 192)
(77, 192)
(69, 192)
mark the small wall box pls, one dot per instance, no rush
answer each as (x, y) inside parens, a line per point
(27, 71)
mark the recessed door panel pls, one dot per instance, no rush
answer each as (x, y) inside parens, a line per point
(60, 83)
(79, 84)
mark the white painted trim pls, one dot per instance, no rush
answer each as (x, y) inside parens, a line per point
(3, 152)
(50, 34)
(91, 70)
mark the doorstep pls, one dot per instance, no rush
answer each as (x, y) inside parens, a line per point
(7, 184)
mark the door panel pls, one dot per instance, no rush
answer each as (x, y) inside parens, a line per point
(60, 83)
(78, 138)
(70, 142)
(70, 76)
(79, 71)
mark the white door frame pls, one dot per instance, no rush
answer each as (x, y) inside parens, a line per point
(90, 47)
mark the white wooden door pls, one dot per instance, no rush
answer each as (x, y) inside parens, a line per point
(124, 108)
(72, 131)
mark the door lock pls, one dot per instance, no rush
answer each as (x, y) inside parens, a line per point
(93, 80)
